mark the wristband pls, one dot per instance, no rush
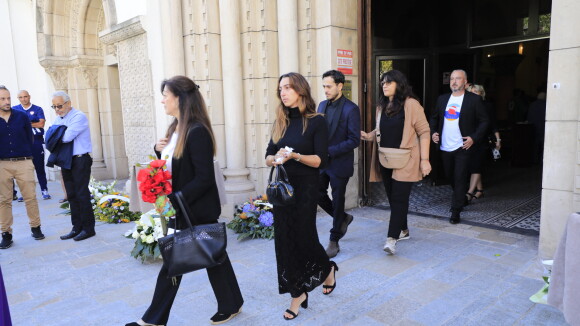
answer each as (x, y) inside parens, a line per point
(299, 157)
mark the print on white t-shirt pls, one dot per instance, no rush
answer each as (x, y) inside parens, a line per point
(451, 138)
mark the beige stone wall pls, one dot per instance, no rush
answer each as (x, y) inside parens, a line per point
(201, 38)
(136, 98)
(324, 27)
(260, 82)
(561, 178)
(335, 28)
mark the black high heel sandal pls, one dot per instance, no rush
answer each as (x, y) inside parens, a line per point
(303, 304)
(331, 287)
(470, 196)
(478, 191)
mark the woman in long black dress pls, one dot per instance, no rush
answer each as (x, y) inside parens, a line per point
(482, 149)
(301, 260)
(190, 146)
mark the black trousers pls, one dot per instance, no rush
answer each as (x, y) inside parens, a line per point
(398, 193)
(223, 282)
(38, 161)
(456, 166)
(76, 183)
(334, 207)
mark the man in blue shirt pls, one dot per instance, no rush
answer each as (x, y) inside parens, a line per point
(36, 115)
(16, 164)
(76, 179)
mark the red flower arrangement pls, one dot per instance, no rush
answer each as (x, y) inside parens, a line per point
(155, 185)
(154, 181)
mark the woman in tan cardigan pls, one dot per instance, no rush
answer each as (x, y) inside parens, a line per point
(401, 123)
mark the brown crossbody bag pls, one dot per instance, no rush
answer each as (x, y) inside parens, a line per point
(391, 158)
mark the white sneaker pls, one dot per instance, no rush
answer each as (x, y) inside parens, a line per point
(390, 246)
(404, 235)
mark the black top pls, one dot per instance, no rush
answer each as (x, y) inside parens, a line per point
(313, 142)
(16, 135)
(193, 175)
(331, 110)
(392, 129)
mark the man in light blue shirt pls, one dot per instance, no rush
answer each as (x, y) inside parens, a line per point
(76, 179)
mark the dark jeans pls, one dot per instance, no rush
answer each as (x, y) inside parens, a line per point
(456, 166)
(38, 161)
(334, 207)
(398, 193)
(76, 182)
(223, 282)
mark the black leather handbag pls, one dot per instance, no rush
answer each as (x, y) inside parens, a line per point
(197, 247)
(279, 191)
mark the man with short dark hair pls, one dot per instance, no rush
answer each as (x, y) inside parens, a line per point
(458, 121)
(76, 173)
(16, 164)
(343, 118)
(37, 119)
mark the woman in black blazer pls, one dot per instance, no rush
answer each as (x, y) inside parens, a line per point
(190, 146)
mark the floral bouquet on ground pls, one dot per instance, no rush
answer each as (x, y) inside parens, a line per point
(146, 232)
(253, 219)
(109, 204)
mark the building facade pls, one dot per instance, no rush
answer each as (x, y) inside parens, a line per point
(112, 59)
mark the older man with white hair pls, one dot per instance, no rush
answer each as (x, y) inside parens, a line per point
(77, 172)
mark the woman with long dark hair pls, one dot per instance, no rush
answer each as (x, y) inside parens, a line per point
(401, 123)
(301, 260)
(190, 148)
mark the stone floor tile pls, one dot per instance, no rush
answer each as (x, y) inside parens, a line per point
(394, 310)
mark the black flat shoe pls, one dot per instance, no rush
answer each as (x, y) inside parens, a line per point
(84, 235)
(220, 318)
(331, 287)
(70, 235)
(303, 304)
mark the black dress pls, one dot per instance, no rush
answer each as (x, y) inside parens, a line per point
(301, 260)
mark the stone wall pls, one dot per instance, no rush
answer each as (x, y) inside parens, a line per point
(561, 177)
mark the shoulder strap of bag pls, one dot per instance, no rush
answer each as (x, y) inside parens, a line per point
(280, 174)
(184, 207)
(378, 129)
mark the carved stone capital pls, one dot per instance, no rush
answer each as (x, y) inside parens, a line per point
(59, 77)
(91, 76)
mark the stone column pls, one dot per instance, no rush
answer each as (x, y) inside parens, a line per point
(288, 36)
(172, 38)
(91, 78)
(238, 186)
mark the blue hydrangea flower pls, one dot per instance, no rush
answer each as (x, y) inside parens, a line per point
(248, 207)
(266, 219)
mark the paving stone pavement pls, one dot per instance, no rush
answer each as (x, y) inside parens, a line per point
(444, 275)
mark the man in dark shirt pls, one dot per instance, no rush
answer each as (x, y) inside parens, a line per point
(37, 119)
(16, 163)
(343, 119)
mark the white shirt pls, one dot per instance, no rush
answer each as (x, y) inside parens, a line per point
(451, 138)
(167, 152)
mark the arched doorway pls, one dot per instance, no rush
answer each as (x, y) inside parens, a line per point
(70, 51)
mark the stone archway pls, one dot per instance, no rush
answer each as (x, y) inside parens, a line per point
(70, 51)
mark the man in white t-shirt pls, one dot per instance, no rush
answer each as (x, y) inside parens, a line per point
(458, 121)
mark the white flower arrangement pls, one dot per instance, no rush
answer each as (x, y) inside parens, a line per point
(146, 232)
